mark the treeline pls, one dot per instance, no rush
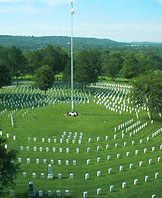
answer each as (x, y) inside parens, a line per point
(34, 43)
(89, 64)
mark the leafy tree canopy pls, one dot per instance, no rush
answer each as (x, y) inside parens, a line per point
(147, 91)
(130, 67)
(5, 77)
(88, 66)
(8, 167)
(112, 63)
(44, 77)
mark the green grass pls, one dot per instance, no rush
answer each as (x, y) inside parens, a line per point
(93, 121)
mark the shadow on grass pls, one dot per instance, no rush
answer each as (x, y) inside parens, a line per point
(95, 114)
(21, 195)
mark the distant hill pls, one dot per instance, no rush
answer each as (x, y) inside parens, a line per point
(34, 43)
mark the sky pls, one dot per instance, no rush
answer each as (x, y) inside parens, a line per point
(119, 20)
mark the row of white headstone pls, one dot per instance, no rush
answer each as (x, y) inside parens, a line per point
(67, 192)
(86, 176)
(22, 98)
(88, 150)
(88, 161)
(121, 126)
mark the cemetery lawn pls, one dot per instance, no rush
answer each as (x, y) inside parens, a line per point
(93, 120)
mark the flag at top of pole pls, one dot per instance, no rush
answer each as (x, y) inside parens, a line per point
(72, 9)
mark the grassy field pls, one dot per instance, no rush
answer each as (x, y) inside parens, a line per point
(94, 121)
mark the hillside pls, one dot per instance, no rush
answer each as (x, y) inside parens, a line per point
(33, 43)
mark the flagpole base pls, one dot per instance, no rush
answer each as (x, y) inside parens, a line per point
(73, 114)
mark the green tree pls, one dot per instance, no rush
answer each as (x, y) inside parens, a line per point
(44, 77)
(112, 64)
(147, 90)
(88, 66)
(131, 67)
(4, 53)
(8, 166)
(56, 58)
(5, 77)
(34, 61)
(17, 62)
(67, 72)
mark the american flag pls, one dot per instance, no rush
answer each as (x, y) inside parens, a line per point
(72, 9)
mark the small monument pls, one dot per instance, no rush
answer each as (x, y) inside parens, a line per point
(50, 173)
(32, 193)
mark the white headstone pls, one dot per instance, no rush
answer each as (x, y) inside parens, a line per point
(37, 161)
(42, 175)
(77, 150)
(88, 150)
(109, 170)
(111, 188)
(54, 149)
(123, 185)
(150, 161)
(135, 181)
(85, 195)
(156, 175)
(21, 148)
(121, 168)
(50, 173)
(59, 162)
(74, 162)
(59, 176)
(98, 191)
(108, 157)
(127, 154)
(67, 162)
(88, 161)
(24, 174)
(86, 176)
(49, 140)
(146, 178)
(35, 148)
(98, 148)
(58, 193)
(118, 155)
(71, 175)
(67, 193)
(153, 148)
(47, 149)
(98, 173)
(34, 175)
(98, 138)
(28, 160)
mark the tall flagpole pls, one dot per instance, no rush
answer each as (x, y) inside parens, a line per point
(72, 61)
